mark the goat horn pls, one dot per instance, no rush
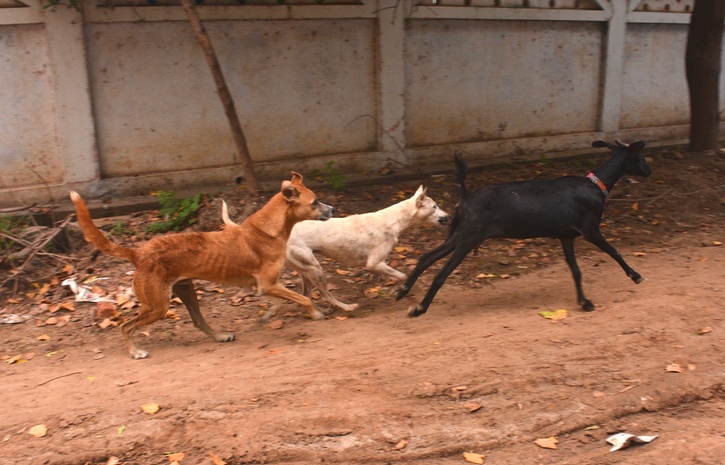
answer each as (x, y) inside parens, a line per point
(620, 143)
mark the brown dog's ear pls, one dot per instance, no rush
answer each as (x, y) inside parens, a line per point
(289, 192)
(296, 178)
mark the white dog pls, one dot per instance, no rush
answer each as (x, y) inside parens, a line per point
(363, 240)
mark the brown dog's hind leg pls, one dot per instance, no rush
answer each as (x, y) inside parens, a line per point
(154, 299)
(184, 290)
(279, 291)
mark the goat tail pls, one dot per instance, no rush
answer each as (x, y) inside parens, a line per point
(460, 175)
(94, 235)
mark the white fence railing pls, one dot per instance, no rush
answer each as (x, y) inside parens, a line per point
(117, 99)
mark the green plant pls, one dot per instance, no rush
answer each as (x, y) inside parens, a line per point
(176, 213)
(10, 223)
(332, 176)
(119, 228)
(544, 160)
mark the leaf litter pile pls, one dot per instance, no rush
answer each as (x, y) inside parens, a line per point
(467, 383)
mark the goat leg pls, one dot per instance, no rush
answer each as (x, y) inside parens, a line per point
(567, 243)
(596, 238)
(426, 260)
(459, 254)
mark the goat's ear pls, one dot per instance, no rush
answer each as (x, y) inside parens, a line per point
(635, 147)
(600, 143)
(289, 192)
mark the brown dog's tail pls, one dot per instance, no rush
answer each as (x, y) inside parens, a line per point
(94, 235)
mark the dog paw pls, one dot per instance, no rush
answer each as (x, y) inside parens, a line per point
(349, 307)
(138, 354)
(224, 337)
(267, 315)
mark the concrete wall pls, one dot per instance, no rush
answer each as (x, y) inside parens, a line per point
(120, 101)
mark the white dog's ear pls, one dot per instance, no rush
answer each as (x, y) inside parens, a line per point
(420, 196)
(225, 214)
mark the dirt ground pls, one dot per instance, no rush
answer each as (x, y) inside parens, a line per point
(482, 372)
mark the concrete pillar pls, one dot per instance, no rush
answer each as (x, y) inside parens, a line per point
(391, 75)
(611, 108)
(77, 137)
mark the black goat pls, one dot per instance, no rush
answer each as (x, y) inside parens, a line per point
(562, 208)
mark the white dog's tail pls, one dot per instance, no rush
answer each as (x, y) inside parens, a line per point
(225, 214)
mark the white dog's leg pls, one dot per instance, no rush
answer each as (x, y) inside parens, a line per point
(387, 270)
(304, 262)
(376, 262)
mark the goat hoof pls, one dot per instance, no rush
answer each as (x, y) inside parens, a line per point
(588, 306)
(415, 311)
(637, 279)
(400, 293)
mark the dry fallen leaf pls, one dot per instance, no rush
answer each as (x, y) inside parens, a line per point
(150, 408)
(105, 310)
(472, 457)
(113, 461)
(472, 406)
(16, 359)
(276, 324)
(547, 443)
(401, 444)
(216, 460)
(70, 306)
(343, 272)
(177, 457)
(172, 315)
(106, 323)
(674, 368)
(704, 330)
(554, 315)
(38, 431)
(43, 337)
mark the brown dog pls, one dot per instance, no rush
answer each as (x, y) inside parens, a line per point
(253, 252)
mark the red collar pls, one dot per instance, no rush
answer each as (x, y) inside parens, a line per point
(592, 177)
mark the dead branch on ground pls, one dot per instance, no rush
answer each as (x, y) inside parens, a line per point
(29, 252)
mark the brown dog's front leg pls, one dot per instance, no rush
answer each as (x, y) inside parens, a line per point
(279, 291)
(184, 290)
